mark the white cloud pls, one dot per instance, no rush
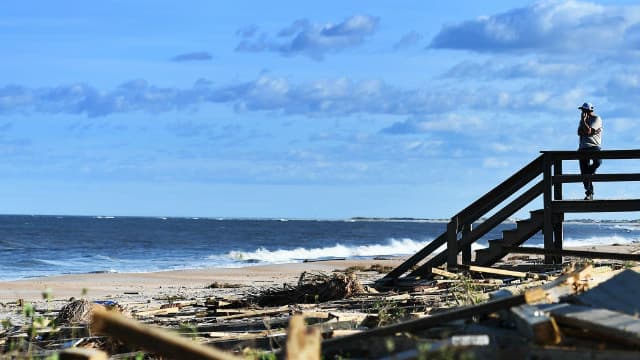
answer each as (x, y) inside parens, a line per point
(554, 26)
(313, 40)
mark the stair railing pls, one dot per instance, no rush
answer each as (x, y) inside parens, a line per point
(460, 233)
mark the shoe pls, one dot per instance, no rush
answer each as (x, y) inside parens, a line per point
(589, 197)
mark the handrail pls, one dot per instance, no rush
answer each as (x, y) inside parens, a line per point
(573, 178)
(602, 154)
(460, 235)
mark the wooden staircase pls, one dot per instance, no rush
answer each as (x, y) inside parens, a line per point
(471, 224)
(524, 230)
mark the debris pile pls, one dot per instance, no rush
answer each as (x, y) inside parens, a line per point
(312, 288)
(586, 311)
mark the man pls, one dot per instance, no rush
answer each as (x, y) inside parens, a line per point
(590, 132)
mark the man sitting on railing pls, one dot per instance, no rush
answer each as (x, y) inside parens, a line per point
(590, 132)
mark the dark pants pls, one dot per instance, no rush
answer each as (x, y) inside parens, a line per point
(588, 166)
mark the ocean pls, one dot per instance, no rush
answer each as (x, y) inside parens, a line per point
(34, 246)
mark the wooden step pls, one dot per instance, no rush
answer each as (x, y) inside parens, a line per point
(483, 255)
(510, 238)
(497, 243)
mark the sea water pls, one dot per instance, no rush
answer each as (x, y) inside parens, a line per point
(32, 246)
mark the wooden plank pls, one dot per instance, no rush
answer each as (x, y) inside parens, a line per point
(444, 273)
(577, 178)
(255, 313)
(154, 312)
(575, 253)
(620, 293)
(495, 271)
(577, 206)
(534, 324)
(155, 340)
(608, 324)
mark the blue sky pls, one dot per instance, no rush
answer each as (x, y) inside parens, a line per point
(301, 110)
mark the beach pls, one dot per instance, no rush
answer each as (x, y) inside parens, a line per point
(136, 287)
(140, 287)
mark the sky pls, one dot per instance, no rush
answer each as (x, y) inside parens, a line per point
(290, 109)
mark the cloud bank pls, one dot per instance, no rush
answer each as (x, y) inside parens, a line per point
(313, 40)
(325, 97)
(548, 26)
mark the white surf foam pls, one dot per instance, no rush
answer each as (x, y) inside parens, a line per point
(600, 240)
(393, 247)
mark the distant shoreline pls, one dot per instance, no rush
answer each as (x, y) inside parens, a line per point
(353, 218)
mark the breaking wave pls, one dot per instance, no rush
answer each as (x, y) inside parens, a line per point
(393, 247)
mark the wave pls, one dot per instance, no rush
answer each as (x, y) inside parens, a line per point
(599, 240)
(626, 227)
(393, 247)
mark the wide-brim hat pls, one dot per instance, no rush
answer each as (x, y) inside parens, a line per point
(586, 106)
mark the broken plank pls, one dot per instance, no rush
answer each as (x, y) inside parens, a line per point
(620, 293)
(495, 271)
(607, 324)
(154, 312)
(255, 313)
(443, 273)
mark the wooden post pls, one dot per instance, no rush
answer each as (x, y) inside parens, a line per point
(155, 340)
(303, 343)
(466, 250)
(452, 244)
(82, 354)
(558, 226)
(547, 229)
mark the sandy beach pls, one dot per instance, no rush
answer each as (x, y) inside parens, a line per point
(184, 283)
